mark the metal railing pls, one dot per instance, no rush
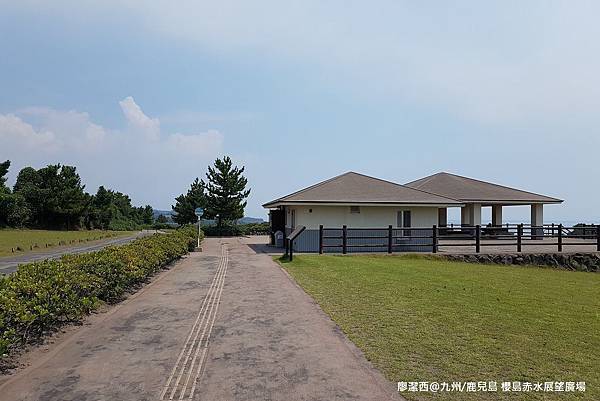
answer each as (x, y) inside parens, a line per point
(514, 235)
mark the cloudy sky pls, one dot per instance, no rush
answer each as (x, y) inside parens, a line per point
(142, 95)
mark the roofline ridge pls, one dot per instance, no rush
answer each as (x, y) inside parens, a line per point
(401, 185)
(318, 184)
(504, 186)
(425, 179)
(282, 199)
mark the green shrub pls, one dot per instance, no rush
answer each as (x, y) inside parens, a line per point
(256, 228)
(41, 296)
(234, 230)
(226, 230)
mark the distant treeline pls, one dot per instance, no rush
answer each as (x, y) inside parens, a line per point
(53, 197)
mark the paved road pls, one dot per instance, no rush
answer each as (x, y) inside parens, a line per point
(222, 325)
(9, 264)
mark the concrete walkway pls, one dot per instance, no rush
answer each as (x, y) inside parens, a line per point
(225, 324)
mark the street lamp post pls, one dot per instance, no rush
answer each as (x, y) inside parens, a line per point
(199, 212)
(219, 224)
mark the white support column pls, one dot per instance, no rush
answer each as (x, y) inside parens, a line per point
(465, 215)
(497, 215)
(537, 219)
(442, 217)
(475, 214)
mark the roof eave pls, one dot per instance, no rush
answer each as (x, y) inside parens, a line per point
(509, 202)
(276, 204)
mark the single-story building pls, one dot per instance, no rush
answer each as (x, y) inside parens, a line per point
(362, 202)
(475, 194)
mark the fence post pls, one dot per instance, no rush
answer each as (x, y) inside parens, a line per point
(291, 249)
(344, 239)
(390, 238)
(560, 234)
(598, 237)
(321, 239)
(519, 237)
(287, 246)
(435, 239)
(477, 238)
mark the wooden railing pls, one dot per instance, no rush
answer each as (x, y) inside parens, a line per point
(289, 241)
(516, 235)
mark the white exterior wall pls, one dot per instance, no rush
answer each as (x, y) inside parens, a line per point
(369, 216)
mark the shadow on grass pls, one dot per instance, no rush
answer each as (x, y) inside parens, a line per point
(283, 259)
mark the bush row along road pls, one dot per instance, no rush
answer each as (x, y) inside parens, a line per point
(9, 264)
(223, 324)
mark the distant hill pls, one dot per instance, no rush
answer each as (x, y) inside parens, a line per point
(167, 213)
(250, 220)
(243, 220)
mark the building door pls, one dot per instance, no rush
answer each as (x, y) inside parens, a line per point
(293, 222)
(277, 220)
(404, 220)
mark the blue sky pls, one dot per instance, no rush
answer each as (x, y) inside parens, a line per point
(142, 96)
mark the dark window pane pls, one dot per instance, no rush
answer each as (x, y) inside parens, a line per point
(407, 219)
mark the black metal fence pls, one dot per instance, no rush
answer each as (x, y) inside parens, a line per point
(434, 238)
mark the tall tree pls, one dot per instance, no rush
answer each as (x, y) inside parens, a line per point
(186, 204)
(71, 201)
(148, 215)
(3, 171)
(29, 187)
(225, 191)
(101, 211)
(54, 197)
(5, 195)
(54, 194)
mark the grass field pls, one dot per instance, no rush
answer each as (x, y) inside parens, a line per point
(22, 241)
(424, 319)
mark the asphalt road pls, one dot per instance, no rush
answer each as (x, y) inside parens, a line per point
(9, 264)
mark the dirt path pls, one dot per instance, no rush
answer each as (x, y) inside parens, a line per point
(224, 324)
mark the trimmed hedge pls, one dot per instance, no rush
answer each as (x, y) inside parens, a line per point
(39, 297)
(236, 230)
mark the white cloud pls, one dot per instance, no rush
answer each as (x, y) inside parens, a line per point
(496, 62)
(204, 144)
(16, 135)
(138, 121)
(117, 158)
(487, 62)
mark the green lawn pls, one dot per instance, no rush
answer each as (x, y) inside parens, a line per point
(34, 240)
(420, 318)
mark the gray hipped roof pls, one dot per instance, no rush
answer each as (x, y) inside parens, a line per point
(476, 191)
(354, 188)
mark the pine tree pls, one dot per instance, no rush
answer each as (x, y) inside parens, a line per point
(225, 191)
(5, 196)
(185, 205)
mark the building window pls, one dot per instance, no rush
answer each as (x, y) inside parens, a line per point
(355, 209)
